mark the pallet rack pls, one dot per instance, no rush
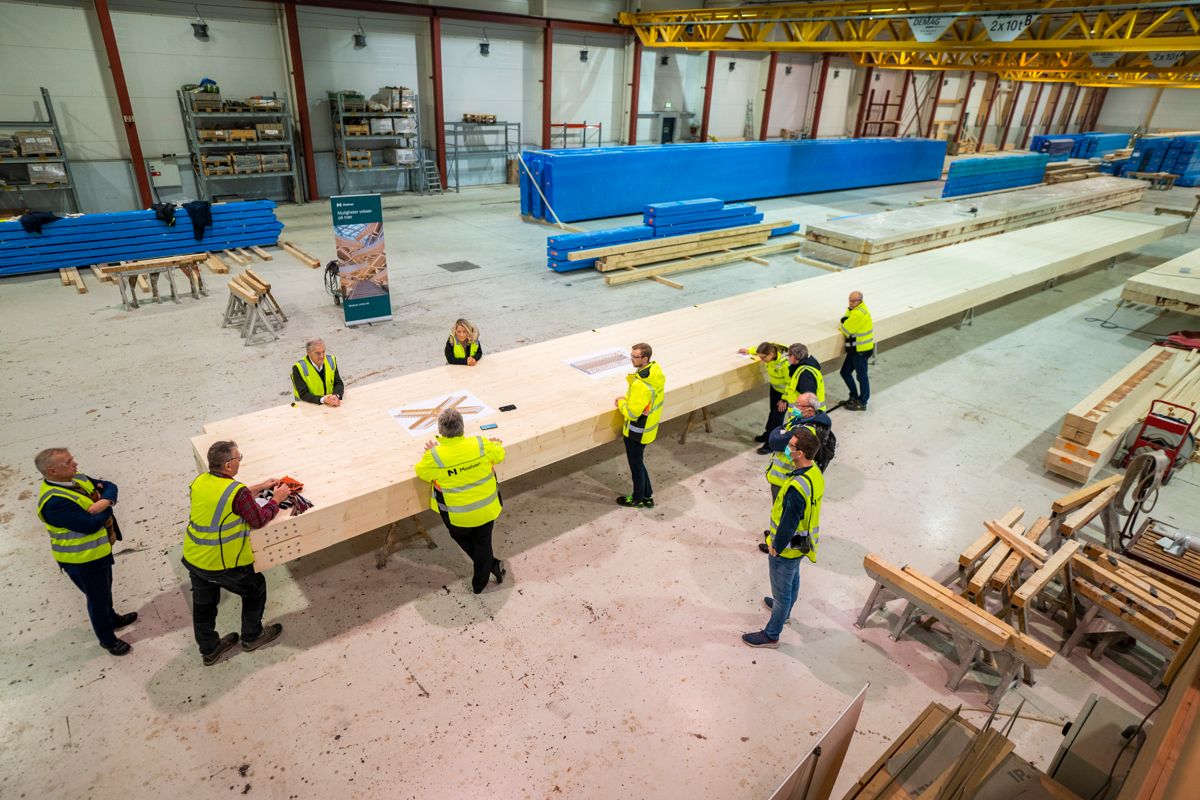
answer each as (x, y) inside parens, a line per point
(414, 173)
(465, 141)
(7, 176)
(198, 149)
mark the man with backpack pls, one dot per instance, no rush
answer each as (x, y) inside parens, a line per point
(806, 415)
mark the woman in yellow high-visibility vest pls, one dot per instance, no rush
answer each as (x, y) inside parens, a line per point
(462, 346)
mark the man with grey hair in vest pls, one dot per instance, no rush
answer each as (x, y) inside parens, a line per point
(462, 473)
(315, 378)
(77, 513)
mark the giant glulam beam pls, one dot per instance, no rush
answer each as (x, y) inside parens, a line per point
(356, 462)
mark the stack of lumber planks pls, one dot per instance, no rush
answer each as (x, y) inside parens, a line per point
(1065, 172)
(1164, 609)
(867, 238)
(941, 755)
(1173, 285)
(1092, 431)
(107, 238)
(653, 258)
(562, 412)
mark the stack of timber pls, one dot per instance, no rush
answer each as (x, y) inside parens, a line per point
(867, 238)
(1094, 429)
(653, 258)
(562, 412)
(1136, 600)
(941, 755)
(1069, 171)
(1173, 285)
(660, 220)
(86, 239)
(975, 175)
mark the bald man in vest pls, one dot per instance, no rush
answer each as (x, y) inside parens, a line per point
(217, 552)
(315, 378)
(462, 473)
(77, 513)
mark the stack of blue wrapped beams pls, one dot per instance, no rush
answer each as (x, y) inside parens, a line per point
(987, 174)
(675, 218)
(1083, 145)
(1058, 149)
(613, 181)
(133, 236)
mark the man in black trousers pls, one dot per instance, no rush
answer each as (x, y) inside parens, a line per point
(77, 513)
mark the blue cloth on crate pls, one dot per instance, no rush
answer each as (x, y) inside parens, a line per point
(132, 236)
(637, 176)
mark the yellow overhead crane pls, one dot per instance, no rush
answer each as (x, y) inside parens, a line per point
(952, 34)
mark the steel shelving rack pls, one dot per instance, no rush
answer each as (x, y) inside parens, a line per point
(197, 148)
(9, 176)
(466, 141)
(414, 174)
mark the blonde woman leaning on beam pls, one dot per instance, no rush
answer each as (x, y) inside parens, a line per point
(462, 346)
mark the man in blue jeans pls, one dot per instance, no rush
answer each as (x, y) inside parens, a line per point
(795, 528)
(858, 331)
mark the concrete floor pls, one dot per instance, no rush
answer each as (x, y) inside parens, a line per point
(609, 664)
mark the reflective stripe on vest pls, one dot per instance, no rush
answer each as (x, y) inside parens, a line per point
(212, 513)
(320, 385)
(811, 483)
(863, 340)
(653, 406)
(68, 546)
(460, 351)
(462, 502)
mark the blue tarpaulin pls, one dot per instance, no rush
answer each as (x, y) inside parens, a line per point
(133, 236)
(613, 181)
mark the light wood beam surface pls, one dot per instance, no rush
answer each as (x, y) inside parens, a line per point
(356, 461)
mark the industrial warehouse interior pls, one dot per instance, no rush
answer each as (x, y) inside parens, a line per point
(782, 401)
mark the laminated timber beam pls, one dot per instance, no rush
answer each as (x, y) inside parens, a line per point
(874, 26)
(356, 462)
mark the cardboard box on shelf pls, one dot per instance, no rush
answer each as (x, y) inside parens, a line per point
(47, 173)
(399, 155)
(36, 143)
(269, 130)
(381, 127)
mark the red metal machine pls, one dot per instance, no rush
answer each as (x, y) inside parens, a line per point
(1168, 427)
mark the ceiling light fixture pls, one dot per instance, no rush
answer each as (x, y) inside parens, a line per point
(360, 36)
(485, 47)
(199, 27)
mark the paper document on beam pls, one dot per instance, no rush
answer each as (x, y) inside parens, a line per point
(602, 363)
(420, 417)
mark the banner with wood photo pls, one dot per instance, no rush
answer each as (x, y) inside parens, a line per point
(361, 259)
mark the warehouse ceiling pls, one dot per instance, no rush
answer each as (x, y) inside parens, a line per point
(1104, 42)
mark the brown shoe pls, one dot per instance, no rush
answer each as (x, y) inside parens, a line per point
(269, 634)
(223, 646)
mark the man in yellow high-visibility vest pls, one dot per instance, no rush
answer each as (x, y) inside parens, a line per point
(859, 332)
(793, 535)
(641, 409)
(315, 378)
(217, 552)
(77, 513)
(462, 473)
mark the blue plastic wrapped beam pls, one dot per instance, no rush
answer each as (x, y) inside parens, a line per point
(133, 236)
(707, 225)
(612, 181)
(987, 174)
